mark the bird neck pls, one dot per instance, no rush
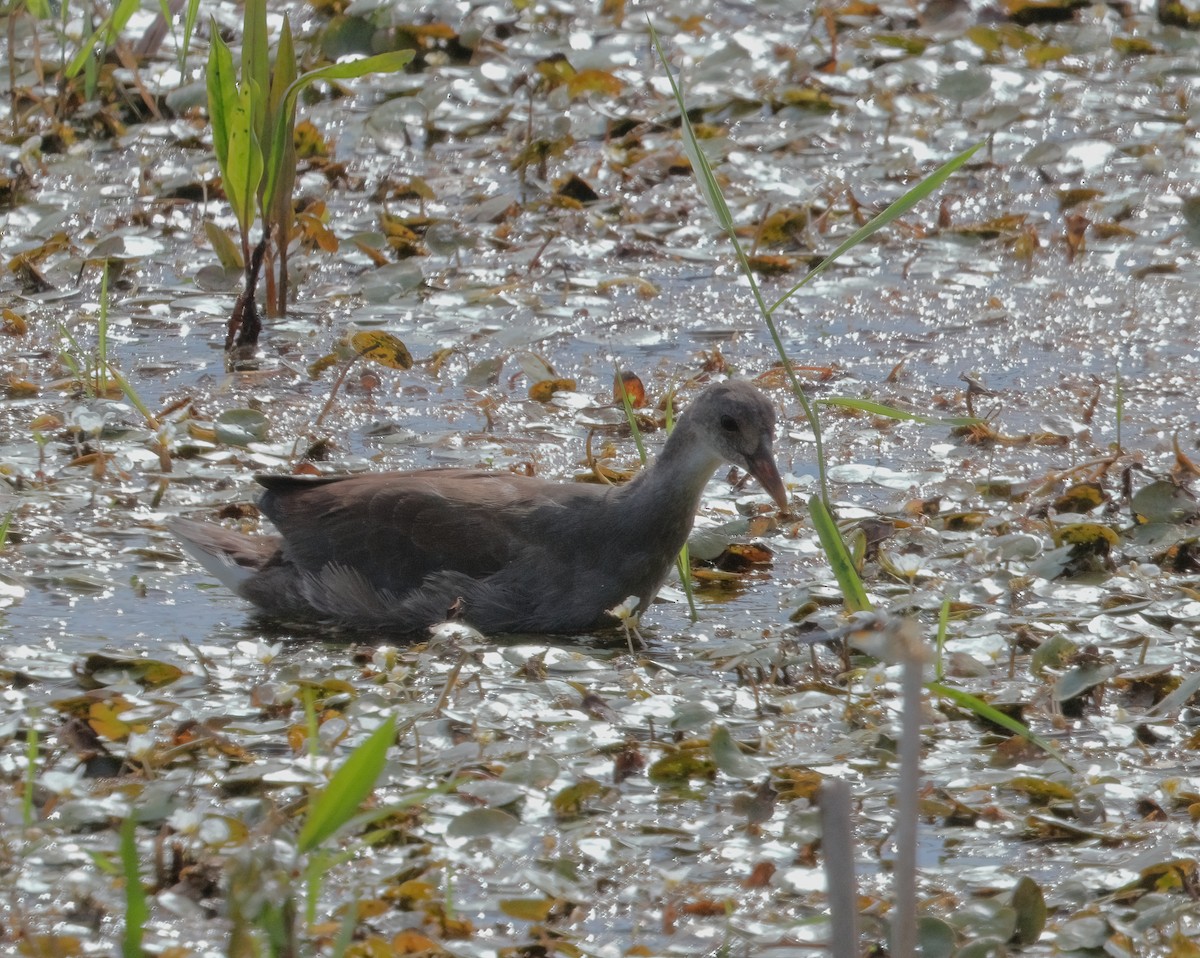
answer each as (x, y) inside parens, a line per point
(667, 493)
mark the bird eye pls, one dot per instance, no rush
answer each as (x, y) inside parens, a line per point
(729, 424)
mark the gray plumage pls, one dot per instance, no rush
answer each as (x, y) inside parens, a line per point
(402, 551)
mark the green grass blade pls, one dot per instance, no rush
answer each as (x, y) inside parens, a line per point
(189, 29)
(1120, 391)
(31, 758)
(978, 706)
(891, 412)
(350, 785)
(381, 63)
(102, 334)
(108, 32)
(939, 662)
(926, 187)
(137, 912)
(131, 394)
(711, 191)
(853, 594)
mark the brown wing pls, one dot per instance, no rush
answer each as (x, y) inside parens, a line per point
(398, 528)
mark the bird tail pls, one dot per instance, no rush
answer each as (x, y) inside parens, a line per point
(229, 556)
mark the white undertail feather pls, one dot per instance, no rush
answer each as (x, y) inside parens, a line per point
(209, 553)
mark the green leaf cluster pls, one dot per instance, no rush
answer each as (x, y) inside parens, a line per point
(253, 116)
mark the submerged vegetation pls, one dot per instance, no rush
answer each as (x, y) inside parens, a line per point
(483, 212)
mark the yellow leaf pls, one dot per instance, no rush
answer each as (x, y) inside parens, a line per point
(410, 942)
(556, 69)
(594, 81)
(18, 388)
(541, 392)
(527, 909)
(105, 720)
(308, 141)
(13, 324)
(1088, 536)
(319, 366)
(382, 348)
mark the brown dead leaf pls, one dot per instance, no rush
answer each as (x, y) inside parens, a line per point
(541, 392)
(12, 324)
(628, 383)
(760, 876)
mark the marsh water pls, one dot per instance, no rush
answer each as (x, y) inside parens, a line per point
(1056, 272)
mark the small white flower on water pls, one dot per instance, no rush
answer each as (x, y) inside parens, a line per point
(454, 632)
(626, 614)
(625, 611)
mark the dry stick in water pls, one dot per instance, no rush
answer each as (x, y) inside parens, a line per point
(837, 845)
(912, 653)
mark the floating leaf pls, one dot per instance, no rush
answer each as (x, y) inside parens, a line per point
(382, 348)
(150, 673)
(728, 757)
(678, 767)
(527, 909)
(594, 81)
(544, 390)
(537, 771)
(571, 800)
(1082, 497)
(1087, 537)
(240, 427)
(936, 938)
(481, 823)
(1042, 791)
(1164, 501)
(12, 323)
(105, 720)
(1082, 678)
(1030, 906)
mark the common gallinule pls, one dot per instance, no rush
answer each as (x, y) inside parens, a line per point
(402, 551)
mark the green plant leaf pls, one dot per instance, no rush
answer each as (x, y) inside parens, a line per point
(853, 594)
(891, 412)
(256, 65)
(727, 755)
(351, 783)
(108, 31)
(228, 253)
(382, 63)
(482, 823)
(189, 28)
(278, 202)
(245, 166)
(978, 706)
(221, 80)
(137, 912)
(710, 189)
(927, 186)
